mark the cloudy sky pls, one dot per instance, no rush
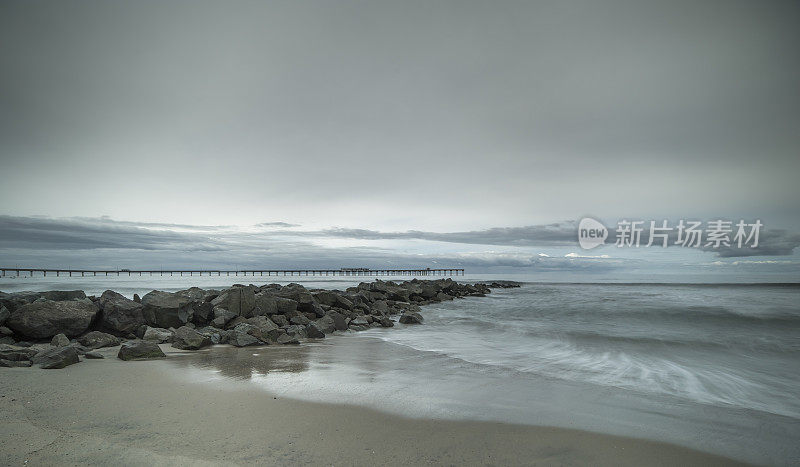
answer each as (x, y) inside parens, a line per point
(346, 133)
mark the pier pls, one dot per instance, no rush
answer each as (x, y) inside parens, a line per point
(240, 272)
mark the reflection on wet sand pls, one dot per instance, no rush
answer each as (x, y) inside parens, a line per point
(245, 362)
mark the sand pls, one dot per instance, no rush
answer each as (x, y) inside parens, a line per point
(145, 413)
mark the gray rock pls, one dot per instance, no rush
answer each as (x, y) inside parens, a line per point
(339, 320)
(97, 340)
(7, 340)
(119, 314)
(165, 310)
(299, 319)
(269, 330)
(93, 355)
(56, 357)
(326, 324)
(46, 318)
(286, 339)
(4, 331)
(15, 353)
(280, 320)
(59, 340)
(14, 363)
(410, 317)
(140, 350)
(296, 331)
(237, 300)
(386, 322)
(333, 299)
(63, 295)
(313, 330)
(186, 338)
(359, 321)
(157, 335)
(4, 314)
(240, 336)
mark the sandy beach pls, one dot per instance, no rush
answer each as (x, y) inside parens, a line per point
(150, 413)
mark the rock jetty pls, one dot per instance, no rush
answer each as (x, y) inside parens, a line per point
(54, 329)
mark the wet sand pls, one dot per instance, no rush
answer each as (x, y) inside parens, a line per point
(145, 413)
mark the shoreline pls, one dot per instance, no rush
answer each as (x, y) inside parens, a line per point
(148, 413)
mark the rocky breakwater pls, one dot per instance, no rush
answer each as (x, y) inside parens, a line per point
(54, 329)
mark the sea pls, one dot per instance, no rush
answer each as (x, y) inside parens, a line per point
(708, 365)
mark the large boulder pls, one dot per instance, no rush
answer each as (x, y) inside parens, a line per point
(140, 350)
(14, 353)
(339, 320)
(166, 310)
(4, 314)
(119, 314)
(268, 304)
(286, 339)
(333, 299)
(44, 318)
(410, 317)
(97, 340)
(268, 329)
(186, 338)
(157, 335)
(298, 293)
(62, 295)
(238, 300)
(314, 330)
(326, 324)
(241, 335)
(56, 357)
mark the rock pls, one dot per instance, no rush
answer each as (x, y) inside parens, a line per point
(326, 324)
(63, 295)
(14, 363)
(269, 330)
(7, 340)
(386, 322)
(60, 340)
(216, 335)
(359, 321)
(157, 335)
(286, 339)
(97, 340)
(299, 319)
(93, 355)
(137, 298)
(16, 353)
(119, 314)
(238, 300)
(4, 314)
(140, 350)
(296, 331)
(186, 338)
(333, 299)
(166, 310)
(57, 357)
(4, 331)
(280, 320)
(240, 337)
(339, 320)
(410, 317)
(44, 319)
(313, 330)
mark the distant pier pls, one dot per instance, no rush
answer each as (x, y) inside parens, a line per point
(240, 272)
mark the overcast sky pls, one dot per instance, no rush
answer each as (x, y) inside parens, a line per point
(346, 117)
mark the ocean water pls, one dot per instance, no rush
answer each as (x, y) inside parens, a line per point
(710, 366)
